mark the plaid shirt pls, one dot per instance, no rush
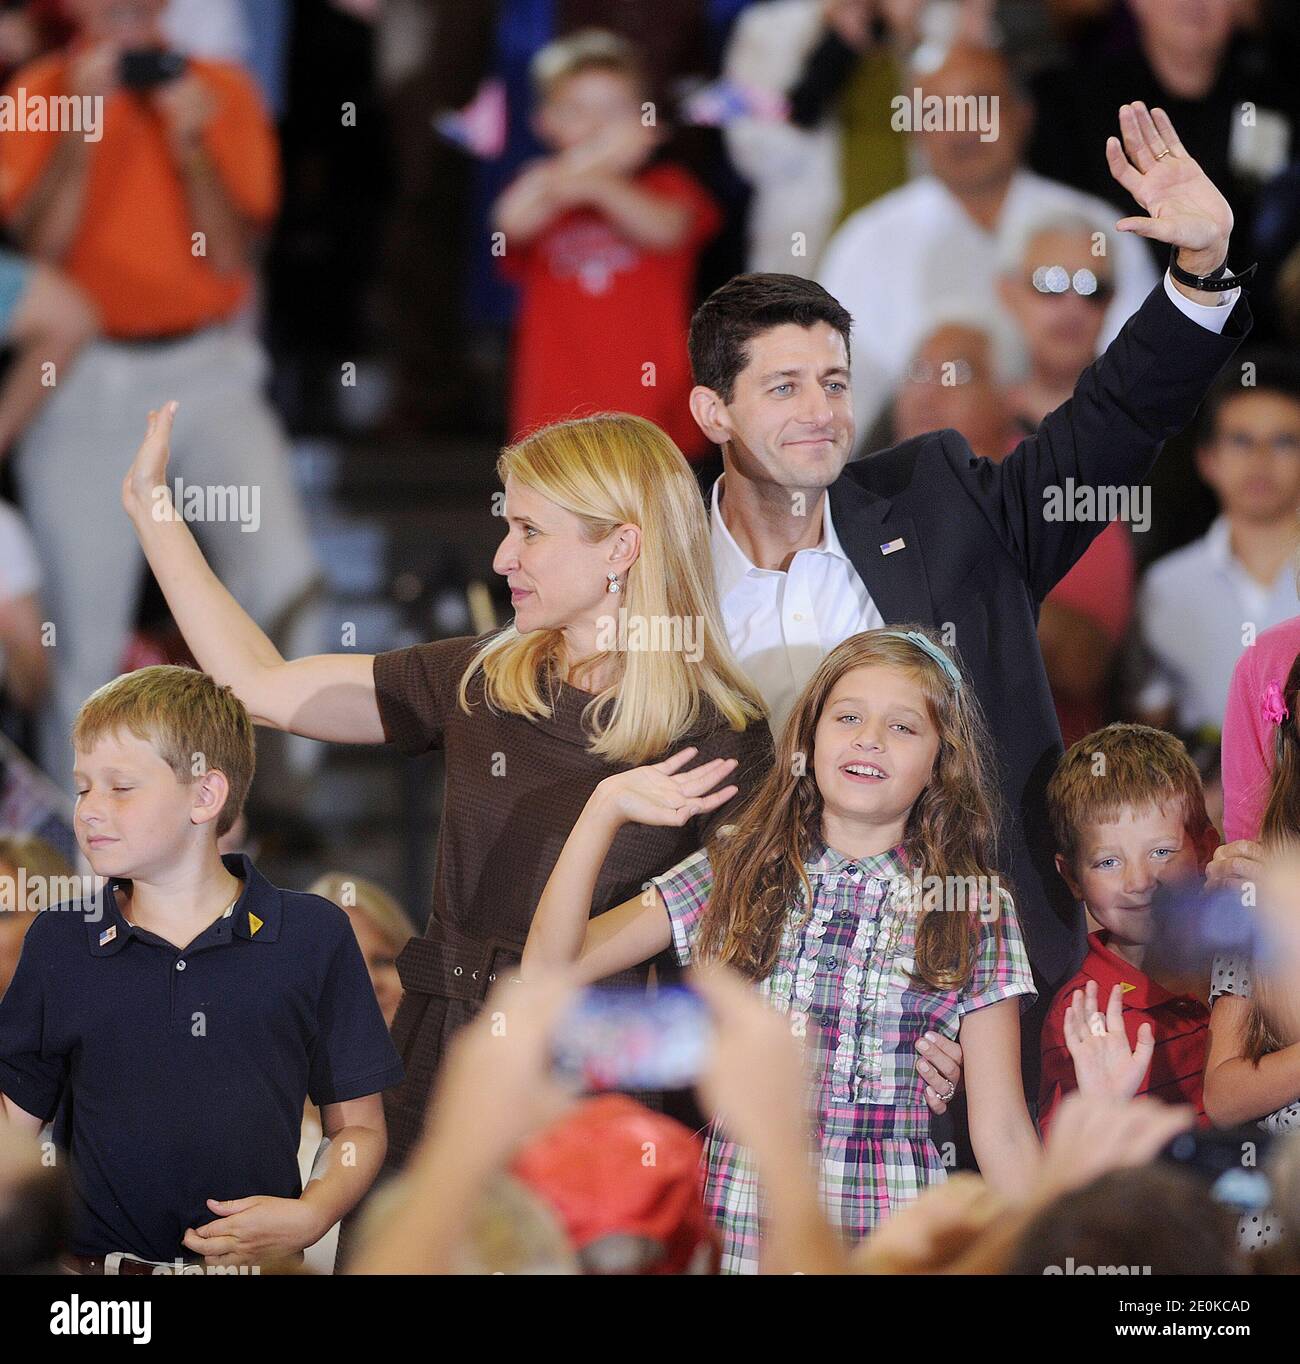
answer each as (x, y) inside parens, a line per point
(844, 970)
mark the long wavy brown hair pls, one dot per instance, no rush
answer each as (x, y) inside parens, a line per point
(951, 830)
(1280, 828)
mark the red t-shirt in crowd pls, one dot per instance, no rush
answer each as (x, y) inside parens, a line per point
(597, 311)
(1180, 1023)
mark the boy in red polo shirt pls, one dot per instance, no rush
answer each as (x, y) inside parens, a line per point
(1128, 812)
(604, 245)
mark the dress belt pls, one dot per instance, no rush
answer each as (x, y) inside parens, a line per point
(453, 965)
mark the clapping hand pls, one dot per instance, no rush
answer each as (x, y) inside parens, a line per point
(755, 1077)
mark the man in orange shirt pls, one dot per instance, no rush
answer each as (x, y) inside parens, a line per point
(156, 220)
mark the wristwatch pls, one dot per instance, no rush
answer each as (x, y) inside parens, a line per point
(1215, 283)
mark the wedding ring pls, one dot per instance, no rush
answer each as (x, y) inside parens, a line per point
(952, 1089)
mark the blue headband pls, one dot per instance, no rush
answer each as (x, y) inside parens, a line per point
(928, 646)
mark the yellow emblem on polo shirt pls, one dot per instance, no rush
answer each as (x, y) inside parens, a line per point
(254, 923)
(1124, 986)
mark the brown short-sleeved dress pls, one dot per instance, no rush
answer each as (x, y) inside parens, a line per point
(514, 789)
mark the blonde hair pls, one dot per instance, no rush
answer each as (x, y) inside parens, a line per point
(370, 900)
(759, 878)
(1140, 767)
(589, 49)
(195, 724)
(608, 470)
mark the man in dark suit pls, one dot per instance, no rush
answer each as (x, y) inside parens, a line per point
(809, 548)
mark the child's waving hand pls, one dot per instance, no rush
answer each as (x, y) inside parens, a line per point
(1103, 1061)
(666, 793)
(148, 471)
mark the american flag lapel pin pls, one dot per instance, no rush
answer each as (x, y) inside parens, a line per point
(893, 546)
(107, 936)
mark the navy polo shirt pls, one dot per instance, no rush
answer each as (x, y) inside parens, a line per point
(179, 1075)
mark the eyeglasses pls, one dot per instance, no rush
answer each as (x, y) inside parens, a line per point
(1057, 280)
(1241, 443)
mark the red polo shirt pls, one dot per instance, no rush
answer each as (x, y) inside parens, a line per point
(1180, 1023)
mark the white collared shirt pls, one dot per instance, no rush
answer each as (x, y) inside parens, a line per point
(1198, 610)
(782, 624)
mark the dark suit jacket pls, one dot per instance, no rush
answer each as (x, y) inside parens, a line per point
(980, 555)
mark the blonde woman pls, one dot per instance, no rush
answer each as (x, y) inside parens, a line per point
(617, 657)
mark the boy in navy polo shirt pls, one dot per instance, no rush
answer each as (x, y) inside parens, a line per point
(1128, 811)
(174, 1023)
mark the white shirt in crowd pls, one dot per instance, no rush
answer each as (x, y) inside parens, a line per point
(1198, 608)
(915, 257)
(794, 172)
(20, 568)
(216, 30)
(781, 624)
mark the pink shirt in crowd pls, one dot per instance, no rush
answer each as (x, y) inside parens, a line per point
(1249, 732)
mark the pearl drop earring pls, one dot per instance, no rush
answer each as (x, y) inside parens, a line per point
(613, 583)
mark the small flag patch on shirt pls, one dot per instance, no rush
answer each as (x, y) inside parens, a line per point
(893, 546)
(107, 936)
(254, 923)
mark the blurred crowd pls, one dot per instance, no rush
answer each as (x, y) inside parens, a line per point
(488, 215)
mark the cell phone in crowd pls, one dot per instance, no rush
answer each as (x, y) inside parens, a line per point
(147, 67)
(1230, 1160)
(620, 1038)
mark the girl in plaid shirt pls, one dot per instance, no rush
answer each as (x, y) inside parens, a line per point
(857, 890)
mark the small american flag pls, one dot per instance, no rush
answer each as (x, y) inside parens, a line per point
(480, 127)
(893, 546)
(107, 936)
